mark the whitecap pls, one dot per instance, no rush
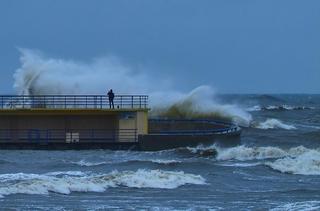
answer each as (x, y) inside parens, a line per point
(274, 124)
(159, 161)
(303, 163)
(87, 163)
(44, 183)
(244, 153)
(241, 165)
(254, 108)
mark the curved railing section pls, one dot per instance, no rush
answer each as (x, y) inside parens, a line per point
(194, 127)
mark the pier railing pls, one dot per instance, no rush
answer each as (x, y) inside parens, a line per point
(72, 101)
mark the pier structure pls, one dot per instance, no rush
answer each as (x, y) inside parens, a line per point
(72, 121)
(59, 122)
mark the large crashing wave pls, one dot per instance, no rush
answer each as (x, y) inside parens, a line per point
(39, 75)
(296, 160)
(67, 182)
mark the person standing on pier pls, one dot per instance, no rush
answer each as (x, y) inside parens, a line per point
(111, 97)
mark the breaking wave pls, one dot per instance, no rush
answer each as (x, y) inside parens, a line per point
(68, 182)
(203, 151)
(274, 124)
(39, 75)
(243, 153)
(307, 163)
(296, 160)
(278, 108)
(87, 163)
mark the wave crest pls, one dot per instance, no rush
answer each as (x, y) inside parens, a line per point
(278, 108)
(67, 182)
(296, 160)
(85, 163)
(307, 163)
(274, 124)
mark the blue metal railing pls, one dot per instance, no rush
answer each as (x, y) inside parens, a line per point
(67, 135)
(224, 127)
(72, 101)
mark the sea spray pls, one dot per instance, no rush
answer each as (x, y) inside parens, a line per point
(200, 103)
(40, 75)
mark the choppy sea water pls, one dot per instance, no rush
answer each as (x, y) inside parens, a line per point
(276, 167)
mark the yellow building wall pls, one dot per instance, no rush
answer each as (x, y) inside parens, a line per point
(137, 120)
(123, 119)
(142, 122)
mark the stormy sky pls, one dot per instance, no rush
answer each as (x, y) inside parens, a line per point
(267, 46)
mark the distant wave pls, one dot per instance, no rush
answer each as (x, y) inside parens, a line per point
(309, 126)
(244, 153)
(5, 161)
(91, 163)
(296, 160)
(278, 108)
(274, 124)
(68, 182)
(167, 162)
(203, 151)
(241, 165)
(87, 163)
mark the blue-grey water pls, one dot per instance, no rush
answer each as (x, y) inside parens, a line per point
(276, 167)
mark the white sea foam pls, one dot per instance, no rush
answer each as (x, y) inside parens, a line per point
(39, 74)
(299, 206)
(274, 124)
(64, 183)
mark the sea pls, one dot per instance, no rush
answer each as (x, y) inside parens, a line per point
(275, 167)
